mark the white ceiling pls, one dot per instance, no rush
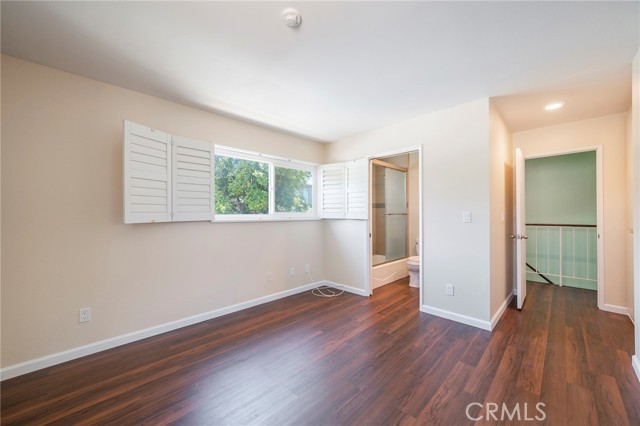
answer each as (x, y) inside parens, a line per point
(350, 66)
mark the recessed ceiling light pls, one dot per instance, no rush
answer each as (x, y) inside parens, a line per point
(553, 106)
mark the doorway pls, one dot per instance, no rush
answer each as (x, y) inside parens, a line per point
(394, 217)
(559, 229)
(561, 220)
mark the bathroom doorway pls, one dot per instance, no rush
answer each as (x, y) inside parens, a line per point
(394, 216)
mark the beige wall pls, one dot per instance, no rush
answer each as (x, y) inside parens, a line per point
(455, 179)
(635, 142)
(629, 214)
(610, 132)
(502, 207)
(65, 244)
(1, 359)
(345, 252)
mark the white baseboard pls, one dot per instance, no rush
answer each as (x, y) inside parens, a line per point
(496, 317)
(68, 355)
(636, 365)
(474, 322)
(615, 309)
(348, 289)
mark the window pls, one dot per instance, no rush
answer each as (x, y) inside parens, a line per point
(170, 178)
(293, 190)
(241, 186)
(251, 186)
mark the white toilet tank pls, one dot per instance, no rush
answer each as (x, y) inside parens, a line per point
(413, 264)
(414, 261)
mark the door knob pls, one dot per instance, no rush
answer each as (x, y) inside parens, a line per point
(525, 237)
(513, 237)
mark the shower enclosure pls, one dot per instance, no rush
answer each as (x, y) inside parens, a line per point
(389, 212)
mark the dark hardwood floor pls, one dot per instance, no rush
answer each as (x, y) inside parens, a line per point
(354, 361)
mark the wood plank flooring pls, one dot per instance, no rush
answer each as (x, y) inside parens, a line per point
(353, 361)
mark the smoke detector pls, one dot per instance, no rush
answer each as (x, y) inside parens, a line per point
(292, 17)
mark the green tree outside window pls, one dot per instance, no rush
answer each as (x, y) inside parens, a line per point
(293, 190)
(242, 187)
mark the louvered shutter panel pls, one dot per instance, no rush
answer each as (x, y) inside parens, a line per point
(193, 169)
(357, 189)
(147, 174)
(332, 190)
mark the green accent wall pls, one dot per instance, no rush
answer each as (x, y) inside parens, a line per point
(561, 189)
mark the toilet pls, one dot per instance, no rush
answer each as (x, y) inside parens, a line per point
(413, 263)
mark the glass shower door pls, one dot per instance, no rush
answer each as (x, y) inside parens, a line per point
(395, 188)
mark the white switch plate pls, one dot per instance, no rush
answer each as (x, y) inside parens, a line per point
(466, 217)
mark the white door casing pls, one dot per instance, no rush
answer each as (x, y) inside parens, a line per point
(520, 234)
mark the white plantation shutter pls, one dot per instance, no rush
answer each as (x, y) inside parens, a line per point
(344, 189)
(192, 173)
(147, 174)
(357, 189)
(332, 191)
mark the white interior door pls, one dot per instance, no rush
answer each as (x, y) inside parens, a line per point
(520, 235)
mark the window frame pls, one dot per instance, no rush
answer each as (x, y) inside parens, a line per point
(273, 162)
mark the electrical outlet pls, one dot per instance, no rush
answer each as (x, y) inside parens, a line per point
(466, 217)
(307, 269)
(292, 271)
(85, 315)
(449, 289)
(268, 277)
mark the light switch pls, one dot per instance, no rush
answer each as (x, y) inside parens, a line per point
(466, 217)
